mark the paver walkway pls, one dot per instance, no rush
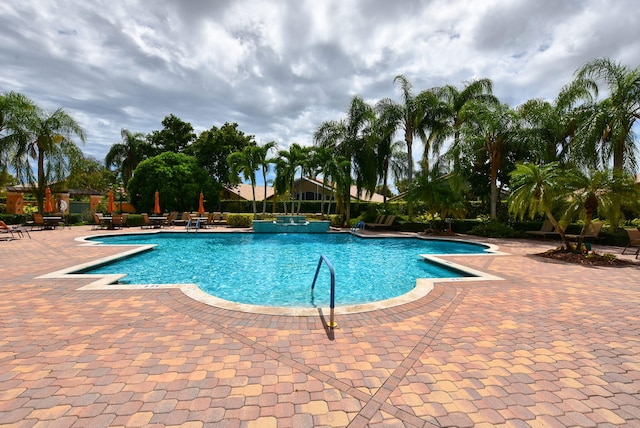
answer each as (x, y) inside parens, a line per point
(550, 345)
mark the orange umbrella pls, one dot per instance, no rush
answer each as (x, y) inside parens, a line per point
(48, 206)
(156, 205)
(201, 204)
(110, 206)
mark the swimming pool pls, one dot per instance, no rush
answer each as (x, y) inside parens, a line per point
(278, 269)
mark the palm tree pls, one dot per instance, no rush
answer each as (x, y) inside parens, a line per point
(440, 192)
(546, 130)
(264, 161)
(537, 190)
(475, 91)
(412, 115)
(350, 139)
(127, 155)
(45, 137)
(598, 192)
(387, 118)
(286, 169)
(608, 128)
(321, 158)
(492, 129)
(246, 162)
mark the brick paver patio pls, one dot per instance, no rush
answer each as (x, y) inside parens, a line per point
(550, 345)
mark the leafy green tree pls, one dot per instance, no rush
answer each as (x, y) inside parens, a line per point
(88, 173)
(179, 180)
(174, 137)
(127, 155)
(214, 146)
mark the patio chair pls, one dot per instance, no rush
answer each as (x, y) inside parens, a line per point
(146, 222)
(173, 215)
(379, 221)
(117, 221)
(7, 233)
(183, 220)
(634, 240)
(99, 221)
(386, 224)
(546, 230)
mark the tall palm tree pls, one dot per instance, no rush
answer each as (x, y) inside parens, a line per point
(475, 91)
(385, 126)
(262, 153)
(246, 162)
(546, 130)
(350, 139)
(411, 119)
(607, 131)
(47, 138)
(126, 156)
(492, 129)
(15, 108)
(323, 160)
(286, 169)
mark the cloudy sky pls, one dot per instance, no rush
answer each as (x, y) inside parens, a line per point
(281, 67)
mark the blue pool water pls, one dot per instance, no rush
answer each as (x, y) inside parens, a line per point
(278, 269)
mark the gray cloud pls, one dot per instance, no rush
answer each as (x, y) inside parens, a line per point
(280, 68)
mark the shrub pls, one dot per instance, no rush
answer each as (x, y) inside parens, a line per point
(336, 220)
(493, 229)
(74, 218)
(134, 220)
(239, 220)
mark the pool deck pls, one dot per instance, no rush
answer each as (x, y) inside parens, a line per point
(549, 345)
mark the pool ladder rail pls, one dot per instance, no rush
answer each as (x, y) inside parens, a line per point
(332, 324)
(190, 224)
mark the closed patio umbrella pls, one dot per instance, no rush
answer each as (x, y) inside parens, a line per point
(156, 204)
(48, 206)
(111, 204)
(201, 204)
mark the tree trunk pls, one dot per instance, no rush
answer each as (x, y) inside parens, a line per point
(41, 185)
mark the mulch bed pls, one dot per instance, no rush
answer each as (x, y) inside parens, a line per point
(591, 259)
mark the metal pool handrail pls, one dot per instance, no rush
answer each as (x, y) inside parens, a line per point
(332, 305)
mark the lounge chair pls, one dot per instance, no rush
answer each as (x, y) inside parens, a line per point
(40, 222)
(379, 221)
(173, 215)
(183, 220)
(547, 230)
(386, 224)
(592, 232)
(8, 233)
(634, 240)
